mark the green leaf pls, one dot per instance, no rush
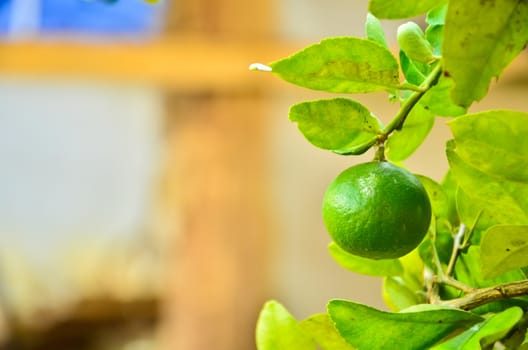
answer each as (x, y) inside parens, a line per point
(383, 267)
(400, 292)
(437, 100)
(435, 36)
(504, 201)
(438, 198)
(367, 328)
(450, 188)
(467, 270)
(412, 41)
(402, 143)
(443, 244)
(339, 124)
(504, 248)
(401, 9)
(398, 295)
(278, 330)
(485, 333)
(410, 71)
(481, 39)
(343, 65)
(323, 332)
(436, 16)
(494, 142)
(374, 30)
(434, 33)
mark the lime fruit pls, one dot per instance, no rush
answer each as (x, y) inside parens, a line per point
(376, 210)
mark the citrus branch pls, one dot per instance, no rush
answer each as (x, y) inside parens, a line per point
(482, 296)
(398, 120)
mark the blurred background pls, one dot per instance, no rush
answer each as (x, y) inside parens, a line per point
(153, 194)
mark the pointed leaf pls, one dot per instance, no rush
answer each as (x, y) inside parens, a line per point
(343, 65)
(504, 248)
(476, 53)
(339, 124)
(494, 142)
(374, 30)
(278, 330)
(401, 9)
(485, 333)
(367, 328)
(402, 143)
(383, 267)
(322, 330)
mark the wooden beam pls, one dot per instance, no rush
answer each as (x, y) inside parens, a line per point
(177, 63)
(217, 177)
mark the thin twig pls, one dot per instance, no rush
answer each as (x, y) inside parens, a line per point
(450, 281)
(457, 243)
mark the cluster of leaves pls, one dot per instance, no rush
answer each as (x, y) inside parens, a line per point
(465, 286)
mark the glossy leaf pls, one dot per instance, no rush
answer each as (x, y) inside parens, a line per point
(367, 328)
(494, 142)
(382, 267)
(504, 248)
(485, 333)
(278, 330)
(476, 53)
(401, 9)
(410, 71)
(402, 143)
(343, 65)
(322, 330)
(374, 30)
(339, 124)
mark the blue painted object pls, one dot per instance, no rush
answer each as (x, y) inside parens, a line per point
(83, 17)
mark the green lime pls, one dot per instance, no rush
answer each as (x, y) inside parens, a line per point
(376, 210)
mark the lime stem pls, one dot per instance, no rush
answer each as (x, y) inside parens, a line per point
(397, 122)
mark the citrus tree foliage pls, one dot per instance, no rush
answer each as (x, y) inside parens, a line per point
(465, 286)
